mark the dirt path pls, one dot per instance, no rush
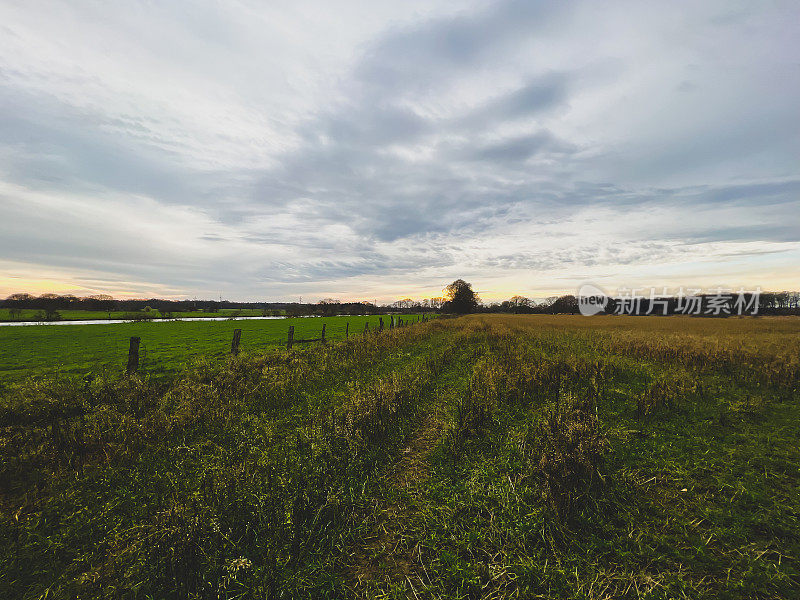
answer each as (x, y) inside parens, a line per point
(390, 556)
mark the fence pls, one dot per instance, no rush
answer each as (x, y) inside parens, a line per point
(135, 341)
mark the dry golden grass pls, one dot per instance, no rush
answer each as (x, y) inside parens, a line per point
(703, 326)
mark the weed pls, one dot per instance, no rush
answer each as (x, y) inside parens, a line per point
(567, 450)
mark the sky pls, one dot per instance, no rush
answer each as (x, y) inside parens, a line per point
(379, 150)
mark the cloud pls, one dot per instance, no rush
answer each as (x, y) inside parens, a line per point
(520, 148)
(264, 152)
(411, 60)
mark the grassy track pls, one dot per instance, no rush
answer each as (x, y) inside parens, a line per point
(683, 484)
(479, 457)
(166, 346)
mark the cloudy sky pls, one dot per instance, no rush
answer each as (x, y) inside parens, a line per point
(270, 150)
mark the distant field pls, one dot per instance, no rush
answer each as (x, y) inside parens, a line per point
(29, 314)
(484, 457)
(165, 346)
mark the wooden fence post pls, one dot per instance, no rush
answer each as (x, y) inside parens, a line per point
(237, 335)
(322, 337)
(380, 323)
(290, 340)
(366, 327)
(347, 330)
(391, 321)
(133, 356)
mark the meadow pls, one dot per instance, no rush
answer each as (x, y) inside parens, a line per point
(166, 347)
(491, 456)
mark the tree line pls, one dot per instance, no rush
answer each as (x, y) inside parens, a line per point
(458, 298)
(106, 303)
(50, 305)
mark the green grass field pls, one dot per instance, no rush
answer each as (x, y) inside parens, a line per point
(166, 347)
(478, 457)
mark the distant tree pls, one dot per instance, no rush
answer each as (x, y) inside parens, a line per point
(522, 304)
(461, 298)
(520, 301)
(565, 304)
(329, 306)
(48, 314)
(99, 302)
(546, 305)
(403, 304)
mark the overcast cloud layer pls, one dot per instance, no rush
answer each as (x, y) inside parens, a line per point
(381, 149)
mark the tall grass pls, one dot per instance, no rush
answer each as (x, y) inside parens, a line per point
(558, 468)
